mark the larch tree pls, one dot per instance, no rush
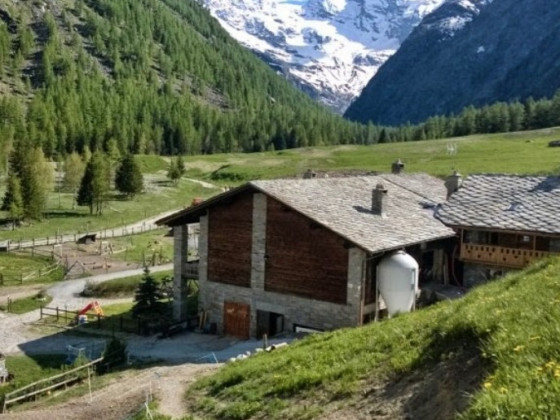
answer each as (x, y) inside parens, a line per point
(13, 201)
(94, 184)
(74, 168)
(173, 172)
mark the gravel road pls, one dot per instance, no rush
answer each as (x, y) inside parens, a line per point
(14, 334)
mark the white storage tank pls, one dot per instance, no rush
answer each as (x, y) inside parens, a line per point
(397, 281)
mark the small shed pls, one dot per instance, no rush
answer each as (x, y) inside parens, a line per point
(87, 239)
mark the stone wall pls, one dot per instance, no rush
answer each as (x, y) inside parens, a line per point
(180, 249)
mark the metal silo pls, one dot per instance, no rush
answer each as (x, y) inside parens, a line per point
(397, 281)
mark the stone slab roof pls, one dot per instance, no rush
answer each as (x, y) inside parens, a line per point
(505, 202)
(343, 205)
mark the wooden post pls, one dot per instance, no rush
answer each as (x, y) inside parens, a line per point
(1, 279)
(57, 314)
(47, 240)
(98, 321)
(41, 312)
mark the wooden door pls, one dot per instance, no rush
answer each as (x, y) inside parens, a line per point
(237, 319)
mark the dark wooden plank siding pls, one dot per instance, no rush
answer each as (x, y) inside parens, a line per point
(229, 241)
(303, 258)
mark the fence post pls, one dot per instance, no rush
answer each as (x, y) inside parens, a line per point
(98, 321)
(57, 314)
(47, 240)
(1, 279)
(41, 312)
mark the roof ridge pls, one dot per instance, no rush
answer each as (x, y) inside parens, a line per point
(408, 189)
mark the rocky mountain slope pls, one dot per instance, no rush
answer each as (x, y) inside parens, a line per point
(467, 52)
(329, 48)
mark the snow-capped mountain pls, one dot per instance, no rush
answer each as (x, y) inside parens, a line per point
(467, 52)
(329, 48)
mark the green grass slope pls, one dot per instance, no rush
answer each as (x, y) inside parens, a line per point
(493, 355)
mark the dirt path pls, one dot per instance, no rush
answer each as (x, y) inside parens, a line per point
(125, 396)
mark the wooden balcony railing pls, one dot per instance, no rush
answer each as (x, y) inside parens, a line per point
(499, 255)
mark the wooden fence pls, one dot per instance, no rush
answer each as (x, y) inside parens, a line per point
(118, 323)
(28, 276)
(56, 239)
(43, 386)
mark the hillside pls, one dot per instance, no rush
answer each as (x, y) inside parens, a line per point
(491, 355)
(151, 76)
(472, 52)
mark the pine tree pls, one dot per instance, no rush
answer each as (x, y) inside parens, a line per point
(148, 297)
(129, 179)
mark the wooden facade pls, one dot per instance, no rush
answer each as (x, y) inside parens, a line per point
(504, 248)
(303, 258)
(229, 241)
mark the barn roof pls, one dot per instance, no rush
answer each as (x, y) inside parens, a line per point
(505, 202)
(343, 205)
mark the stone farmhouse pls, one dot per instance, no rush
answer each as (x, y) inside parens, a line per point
(504, 222)
(300, 254)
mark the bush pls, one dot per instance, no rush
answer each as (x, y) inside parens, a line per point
(115, 355)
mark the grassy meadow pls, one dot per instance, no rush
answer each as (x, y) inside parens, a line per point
(523, 152)
(18, 269)
(494, 354)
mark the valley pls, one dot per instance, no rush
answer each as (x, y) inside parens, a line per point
(184, 206)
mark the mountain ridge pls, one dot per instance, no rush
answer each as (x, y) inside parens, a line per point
(500, 47)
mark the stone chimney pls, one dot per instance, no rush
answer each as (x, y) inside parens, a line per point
(379, 201)
(397, 167)
(453, 182)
